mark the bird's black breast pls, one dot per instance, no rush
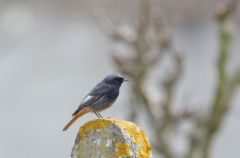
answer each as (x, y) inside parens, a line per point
(113, 92)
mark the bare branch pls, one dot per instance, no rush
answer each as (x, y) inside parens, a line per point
(116, 32)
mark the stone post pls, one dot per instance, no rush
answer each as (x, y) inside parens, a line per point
(111, 138)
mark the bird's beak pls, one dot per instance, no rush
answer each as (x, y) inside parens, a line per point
(125, 80)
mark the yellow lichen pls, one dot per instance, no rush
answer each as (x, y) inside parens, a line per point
(123, 149)
(82, 133)
(97, 123)
(94, 124)
(138, 136)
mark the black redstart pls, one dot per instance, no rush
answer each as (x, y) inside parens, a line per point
(101, 97)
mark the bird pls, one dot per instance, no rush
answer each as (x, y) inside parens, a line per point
(101, 97)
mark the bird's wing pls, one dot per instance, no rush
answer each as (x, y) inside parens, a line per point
(95, 94)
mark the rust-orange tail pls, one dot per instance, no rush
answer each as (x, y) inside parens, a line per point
(76, 116)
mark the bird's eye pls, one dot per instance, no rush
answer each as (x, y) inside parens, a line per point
(120, 79)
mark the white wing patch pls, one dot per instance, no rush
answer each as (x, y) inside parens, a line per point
(87, 98)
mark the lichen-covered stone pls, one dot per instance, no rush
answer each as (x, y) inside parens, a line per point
(111, 138)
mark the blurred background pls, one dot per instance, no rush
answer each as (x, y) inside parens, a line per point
(181, 56)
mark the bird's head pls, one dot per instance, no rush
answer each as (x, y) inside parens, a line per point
(114, 79)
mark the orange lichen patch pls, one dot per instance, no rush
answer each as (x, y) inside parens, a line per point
(123, 149)
(138, 136)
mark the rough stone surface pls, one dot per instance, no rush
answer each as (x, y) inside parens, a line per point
(111, 138)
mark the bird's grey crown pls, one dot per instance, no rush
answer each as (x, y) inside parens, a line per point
(113, 79)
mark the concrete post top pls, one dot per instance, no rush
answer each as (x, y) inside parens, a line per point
(110, 138)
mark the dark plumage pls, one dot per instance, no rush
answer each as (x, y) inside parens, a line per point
(101, 97)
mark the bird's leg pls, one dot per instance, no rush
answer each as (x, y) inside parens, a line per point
(99, 114)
